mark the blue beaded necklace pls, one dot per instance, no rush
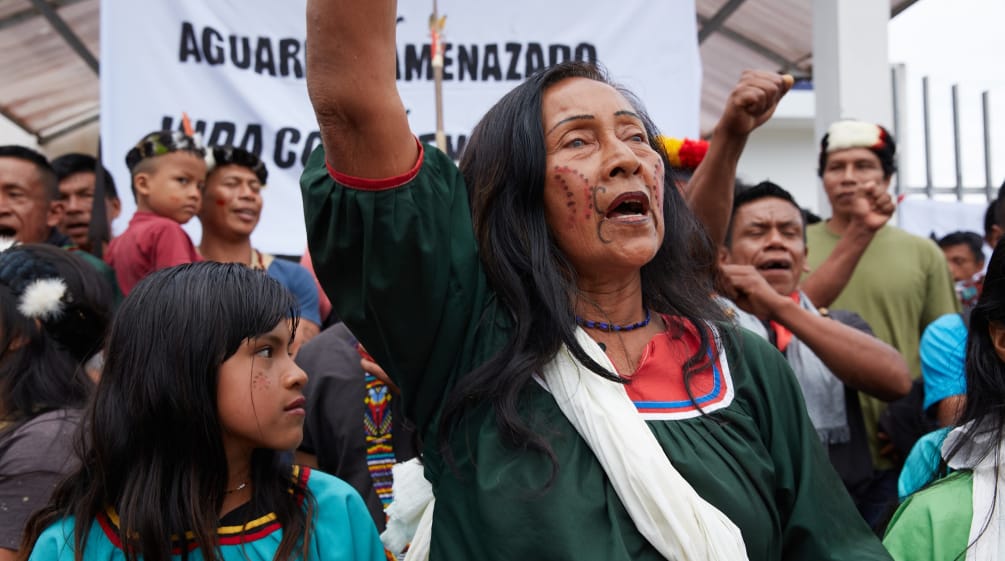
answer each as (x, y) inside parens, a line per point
(612, 327)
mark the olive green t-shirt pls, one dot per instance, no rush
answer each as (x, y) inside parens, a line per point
(901, 284)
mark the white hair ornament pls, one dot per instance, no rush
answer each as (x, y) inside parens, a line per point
(43, 299)
(7, 243)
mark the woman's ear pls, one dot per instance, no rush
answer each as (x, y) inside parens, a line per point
(997, 333)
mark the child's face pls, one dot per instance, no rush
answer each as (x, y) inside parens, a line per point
(260, 396)
(173, 186)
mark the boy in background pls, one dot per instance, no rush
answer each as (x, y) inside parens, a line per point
(168, 170)
(965, 256)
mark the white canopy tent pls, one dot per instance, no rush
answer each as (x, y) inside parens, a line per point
(50, 64)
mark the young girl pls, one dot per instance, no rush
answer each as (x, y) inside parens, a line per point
(198, 404)
(960, 517)
(54, 311)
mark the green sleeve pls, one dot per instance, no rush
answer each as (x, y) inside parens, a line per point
(940, 295)
(819, 519)
(401, 265)
(933, 524)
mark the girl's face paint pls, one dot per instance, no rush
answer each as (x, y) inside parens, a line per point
(260, 394)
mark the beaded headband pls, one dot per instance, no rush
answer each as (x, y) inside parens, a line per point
(161, 143)
(855, 134)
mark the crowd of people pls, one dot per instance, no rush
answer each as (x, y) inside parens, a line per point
(572, 344)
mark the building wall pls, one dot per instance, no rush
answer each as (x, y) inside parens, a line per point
(784, 155)
(784, 151)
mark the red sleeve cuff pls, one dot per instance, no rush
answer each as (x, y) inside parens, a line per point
(364, 184)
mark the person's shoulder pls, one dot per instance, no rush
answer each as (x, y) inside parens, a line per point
(946, 325)
(748, 342)
(159, 222)
(43, 443)
(56, 542)
(943, 509)
(904, 239)
(821, 240)
(891, 231)
(851, 319)
(147, 227)
(327, 488)
(295, 274)
(50, 423)
(331, 354)
(815, 228)
(750, 355)
(946, 490)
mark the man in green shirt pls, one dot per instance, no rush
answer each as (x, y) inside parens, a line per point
(896, 281)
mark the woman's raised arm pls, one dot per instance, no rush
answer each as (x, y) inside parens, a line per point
(351, 82)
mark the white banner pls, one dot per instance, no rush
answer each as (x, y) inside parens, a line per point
(927, 217)
(237, 69)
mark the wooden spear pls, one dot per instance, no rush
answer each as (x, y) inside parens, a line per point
(436, 24)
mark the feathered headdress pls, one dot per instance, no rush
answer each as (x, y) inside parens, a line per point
(684, 153)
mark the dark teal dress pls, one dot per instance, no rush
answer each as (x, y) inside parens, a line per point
(399, 260)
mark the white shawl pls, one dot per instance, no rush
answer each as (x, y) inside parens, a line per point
(987, 527)
(665, 508)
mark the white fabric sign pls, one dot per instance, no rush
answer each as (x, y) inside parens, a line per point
(927, 217)
(237, 69)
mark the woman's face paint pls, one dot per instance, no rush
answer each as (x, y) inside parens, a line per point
(603, 194)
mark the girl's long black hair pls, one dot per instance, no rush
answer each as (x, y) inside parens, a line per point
(154, 449)
(985, 370)
(42, 362)
(985, 373)
(504, 168)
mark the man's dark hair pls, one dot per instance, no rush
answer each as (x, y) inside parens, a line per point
(69, 164)
(972, 240)
(765, 189)
(45, 172)
(234, 156)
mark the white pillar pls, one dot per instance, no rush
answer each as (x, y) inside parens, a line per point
(851, 69)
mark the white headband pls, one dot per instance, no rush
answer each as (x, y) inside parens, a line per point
(853, 134)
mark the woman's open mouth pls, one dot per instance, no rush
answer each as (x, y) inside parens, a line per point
(629, 207)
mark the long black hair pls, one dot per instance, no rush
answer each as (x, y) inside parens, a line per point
(504, 169)
(45, 343)
(985, 369)
(984, 407)
(155, 450)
